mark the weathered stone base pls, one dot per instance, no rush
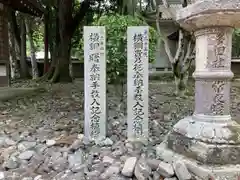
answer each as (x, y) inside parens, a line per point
(226, 172)
(209, 140)
(210, 146)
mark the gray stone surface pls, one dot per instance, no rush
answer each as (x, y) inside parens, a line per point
(27, 178)
(201, 171)
(165, 169)
(173, 178)
(2, 176)
(208, 137)
(75, 159)
(137, 84)
(110, 171)
(58, 116)
(156, 176)
(11, 163)
(95, 58)
(208, 14)
(142, 170)
(153, 163)
(181, 171)
(26, 155)
(2, 141)
(107, 160)
(129, 166)
(26, 145)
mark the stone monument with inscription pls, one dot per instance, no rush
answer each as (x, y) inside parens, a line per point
(137, 83)
(209, 141)
(94, 82)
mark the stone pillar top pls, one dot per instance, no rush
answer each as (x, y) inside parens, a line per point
(208, 13)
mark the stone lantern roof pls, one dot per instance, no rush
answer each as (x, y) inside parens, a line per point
(32, 7)
(165, 14)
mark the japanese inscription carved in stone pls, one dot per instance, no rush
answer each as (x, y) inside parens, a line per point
(137, 82)
(95, 82)
(212, 97)
(218, 49)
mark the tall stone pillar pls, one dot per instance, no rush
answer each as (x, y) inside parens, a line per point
(209, 140)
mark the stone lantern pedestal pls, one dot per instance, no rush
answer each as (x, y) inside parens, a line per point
(209, 141)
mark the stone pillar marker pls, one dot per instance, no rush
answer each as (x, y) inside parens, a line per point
(137, 83)
(94, 82)
(208, 141)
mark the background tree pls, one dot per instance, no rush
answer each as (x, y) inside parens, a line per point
(23, 48)
(14, 68)
(18, 31)
(180, 61)
(236, 44)
(30, 22)
(116, 45)
(66, 15)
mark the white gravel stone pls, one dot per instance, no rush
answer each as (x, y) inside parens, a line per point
(26, 155)
(80, 136)
(173, 178)
(50, 142)
(181, 171)
(109, 172)
(10, 142)
(39, 177)
(27, 178)
(76, 144)
(104, 142)
(129, 166)
(75, 159)
(107, 160)
(2, 176)
(165, 169)
(26, 145)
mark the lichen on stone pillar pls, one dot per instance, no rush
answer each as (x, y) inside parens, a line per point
(209, 140)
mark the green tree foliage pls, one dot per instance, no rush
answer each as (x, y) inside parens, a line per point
(116, 32)
(37, 38)
(236, 43)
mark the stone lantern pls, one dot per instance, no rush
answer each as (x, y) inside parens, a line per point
(209, 141)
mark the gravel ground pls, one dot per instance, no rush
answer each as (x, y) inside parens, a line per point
(41, 137)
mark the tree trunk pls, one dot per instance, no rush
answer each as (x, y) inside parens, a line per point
(61, 73)
(23, 62)
(46, 40)
(67, 25)
(13, 56)
(53, 45)
(33, 52)
(70, 68)
(14, 27)
(181, 84)
(180, 77)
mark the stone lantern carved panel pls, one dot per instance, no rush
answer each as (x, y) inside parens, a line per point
(219, 47)
(212, 97)
(218, 51)
(219, 102)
